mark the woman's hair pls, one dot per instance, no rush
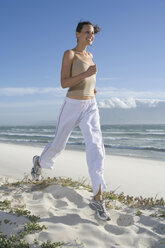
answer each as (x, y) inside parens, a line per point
(80, 25)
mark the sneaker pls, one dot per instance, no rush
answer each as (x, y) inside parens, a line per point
(99, 206)
(36, 170)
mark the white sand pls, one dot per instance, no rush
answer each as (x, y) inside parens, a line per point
(65, 211)
(132, 176)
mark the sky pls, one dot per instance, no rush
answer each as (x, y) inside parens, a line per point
(129, 53)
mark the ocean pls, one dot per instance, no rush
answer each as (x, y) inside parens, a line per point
(143, 141)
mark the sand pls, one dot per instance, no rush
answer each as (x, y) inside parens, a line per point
(65, 210)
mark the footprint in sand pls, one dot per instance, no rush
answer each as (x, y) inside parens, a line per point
(61, 204)
(125, 220)
(160, 229)
(114, 229)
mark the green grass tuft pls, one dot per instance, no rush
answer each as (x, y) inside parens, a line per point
(49, 244)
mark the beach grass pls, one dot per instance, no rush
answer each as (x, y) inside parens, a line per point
(131, 201)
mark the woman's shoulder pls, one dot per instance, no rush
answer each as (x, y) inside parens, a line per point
(69, 56)
(69, 53)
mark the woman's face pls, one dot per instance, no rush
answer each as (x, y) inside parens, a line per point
(86, 35)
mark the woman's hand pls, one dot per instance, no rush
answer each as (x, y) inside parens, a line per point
(95, 91)
(92, 69)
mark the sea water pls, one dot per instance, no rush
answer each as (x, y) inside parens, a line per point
(144, 141)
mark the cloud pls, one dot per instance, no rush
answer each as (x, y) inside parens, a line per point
(112, 103)
(128, 103)
(103, 92)
(148, 102)
(30, 91)
(117, 103)
(107, 92)
(32, 104)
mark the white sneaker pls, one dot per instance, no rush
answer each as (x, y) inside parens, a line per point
(99, 206)
(36, 170)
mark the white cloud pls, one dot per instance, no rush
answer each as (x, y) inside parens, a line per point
(115, 102)
(107, 92)
(103, 92)
(148, 102)
(107, 97)
(128, 103)
(30, 104)
(30, 91)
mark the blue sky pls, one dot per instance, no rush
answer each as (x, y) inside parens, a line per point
(129, 53)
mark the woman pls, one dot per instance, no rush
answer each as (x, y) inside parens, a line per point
(78, 73)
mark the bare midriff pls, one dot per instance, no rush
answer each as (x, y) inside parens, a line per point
(82, 97)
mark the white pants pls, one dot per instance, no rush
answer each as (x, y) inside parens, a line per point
(85, 114)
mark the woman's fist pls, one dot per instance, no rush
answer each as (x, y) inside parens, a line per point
(92, 69)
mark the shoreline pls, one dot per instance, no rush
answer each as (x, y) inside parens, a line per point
(108, 153)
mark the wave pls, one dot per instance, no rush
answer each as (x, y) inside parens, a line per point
(27, 134)
(35, 135)
(142, 140)
(76, 143)
(134, 138)
(79, 143)
(145, 148)
(146, 137)
(155, 130)
(48, 130)
(25, 140)
(138, 133)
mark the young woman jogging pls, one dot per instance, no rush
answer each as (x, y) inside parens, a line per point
(78, 73)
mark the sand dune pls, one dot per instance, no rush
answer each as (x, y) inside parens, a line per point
(66, 214)
(65, 210)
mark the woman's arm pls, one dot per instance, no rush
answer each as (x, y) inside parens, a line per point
(66, 79)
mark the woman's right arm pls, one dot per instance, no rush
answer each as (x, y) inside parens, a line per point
(66, 79)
